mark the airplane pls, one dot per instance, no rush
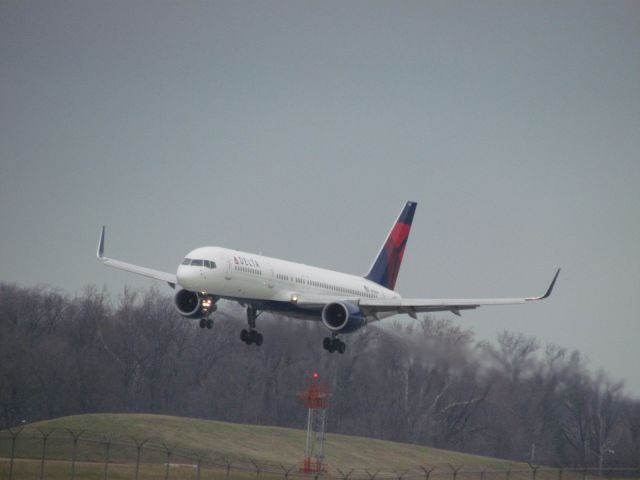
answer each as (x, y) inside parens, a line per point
(343, 303)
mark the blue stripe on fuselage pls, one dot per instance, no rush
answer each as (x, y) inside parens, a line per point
(276, 306)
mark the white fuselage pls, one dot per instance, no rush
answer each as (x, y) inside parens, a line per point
(236, 275)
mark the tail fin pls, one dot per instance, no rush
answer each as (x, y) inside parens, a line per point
(386, 266)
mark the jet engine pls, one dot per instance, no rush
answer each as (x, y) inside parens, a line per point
(194, 305)
(343, 317)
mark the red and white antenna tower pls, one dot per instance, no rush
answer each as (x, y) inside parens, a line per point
(316, 399)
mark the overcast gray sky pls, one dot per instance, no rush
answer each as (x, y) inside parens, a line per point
(299, 129)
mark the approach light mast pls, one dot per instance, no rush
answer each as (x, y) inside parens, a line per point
(316, 399)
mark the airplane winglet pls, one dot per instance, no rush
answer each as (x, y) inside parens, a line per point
(100, 252)
(549, 290)
(170, 278)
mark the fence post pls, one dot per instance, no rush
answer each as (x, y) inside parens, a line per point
(427, 471)
(139, 446)
(560, 473)
(286, 471)
(74, 453)
(400, 476)
(345, 477)
(199, 458)
(169, 451)
(509, 473)
(257, 467)
(107, 448)
(372, 476)
(14, 437)
(45, 436)
(534, 470)
(455, 470)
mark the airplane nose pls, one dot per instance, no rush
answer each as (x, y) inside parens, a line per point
(187, 277)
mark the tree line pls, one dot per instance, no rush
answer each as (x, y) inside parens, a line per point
(427, 382)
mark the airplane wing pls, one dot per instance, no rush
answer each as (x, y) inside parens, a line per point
(170, 278)
(371, 307)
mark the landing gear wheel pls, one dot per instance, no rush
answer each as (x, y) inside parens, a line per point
(251, 336)
(333, 344)
(203, 322)
(209, 323)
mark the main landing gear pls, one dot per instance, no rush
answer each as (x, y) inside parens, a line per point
(206, 322)
(251, 336)
(334, 344)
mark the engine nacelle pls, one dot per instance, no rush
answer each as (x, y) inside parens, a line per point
(194, 305)
(342, 317)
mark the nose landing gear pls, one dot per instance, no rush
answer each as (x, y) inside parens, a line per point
(206, 322)
(208, 307)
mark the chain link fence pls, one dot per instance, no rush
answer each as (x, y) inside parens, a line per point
(40, 454)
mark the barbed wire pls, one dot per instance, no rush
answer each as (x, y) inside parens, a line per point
(66, 445)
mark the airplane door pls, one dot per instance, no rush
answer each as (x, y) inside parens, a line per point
(227, 275)
(270, 278)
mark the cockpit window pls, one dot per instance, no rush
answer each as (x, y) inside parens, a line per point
(199, 263)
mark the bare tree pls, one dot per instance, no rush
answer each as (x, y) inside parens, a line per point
(425, 382)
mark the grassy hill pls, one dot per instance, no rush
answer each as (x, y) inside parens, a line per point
(238, 442)
(228, 451)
